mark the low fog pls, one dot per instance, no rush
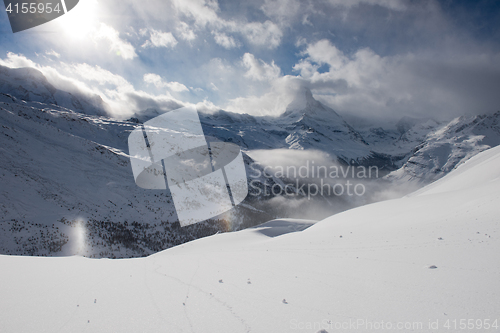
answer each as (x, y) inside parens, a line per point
(319, 185)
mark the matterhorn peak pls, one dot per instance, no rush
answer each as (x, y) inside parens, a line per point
(302, 101)
(305, 105)
(309, 95)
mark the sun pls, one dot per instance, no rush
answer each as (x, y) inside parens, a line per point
(81, 20)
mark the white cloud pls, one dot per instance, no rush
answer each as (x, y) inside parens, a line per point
(224, 40)
(207, 106)
(116, 44)
(205, 12)
(305, 21)
(213, 87)
(391, 4)
(273, 102)
(156, 80)
(160, 39)
(185, 32)
(323, 52)
(53, 53)
(305, 68)
(280, 9)
(377, 88)
(14, 60)
(288, 12)
(426, 85)
(176, 86)
(258, 69)
(97, 74)
(263, 34)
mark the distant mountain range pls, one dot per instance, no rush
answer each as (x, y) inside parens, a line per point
(446, 147)
(64, 164)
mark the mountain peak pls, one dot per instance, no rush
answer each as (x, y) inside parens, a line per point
(303, 100)
(309, 95)
(306, 106)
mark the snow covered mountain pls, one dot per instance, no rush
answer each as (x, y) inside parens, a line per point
(306, 124)
(61, 171)
(29, 84)
(405, 135)
(445, 148)
(64, 168)
(389, 266)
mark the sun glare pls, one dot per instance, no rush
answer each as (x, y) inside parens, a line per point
(79, 237)
(81, 20)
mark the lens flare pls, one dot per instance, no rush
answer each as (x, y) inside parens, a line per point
(82, 20)
(226, 221)
(80, 237)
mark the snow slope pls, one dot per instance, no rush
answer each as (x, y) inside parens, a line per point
(425, 262)
(60, 169)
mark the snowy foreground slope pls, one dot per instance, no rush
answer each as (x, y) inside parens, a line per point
(428, 261)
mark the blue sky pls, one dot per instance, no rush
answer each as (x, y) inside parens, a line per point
(375, 59)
